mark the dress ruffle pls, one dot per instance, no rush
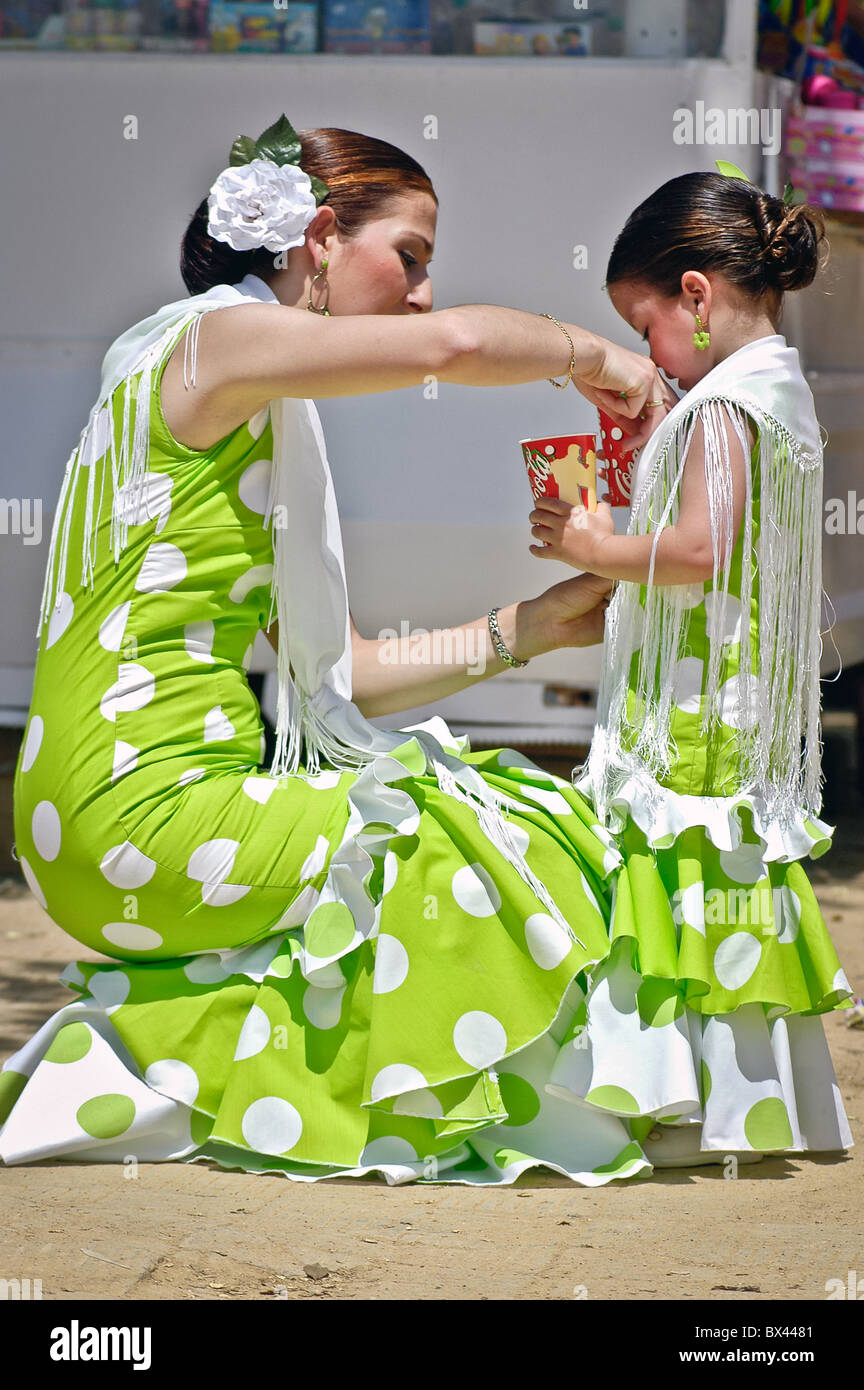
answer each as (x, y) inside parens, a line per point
(663, 814)
(609, 1041)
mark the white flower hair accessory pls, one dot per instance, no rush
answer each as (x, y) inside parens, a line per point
(264, 198)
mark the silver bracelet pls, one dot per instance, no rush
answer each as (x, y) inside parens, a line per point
(498, 641)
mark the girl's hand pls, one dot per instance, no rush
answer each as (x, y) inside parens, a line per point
(570, 533)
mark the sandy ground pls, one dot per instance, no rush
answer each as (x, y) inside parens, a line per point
(190, 1231)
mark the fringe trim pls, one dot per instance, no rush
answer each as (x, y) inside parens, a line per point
(778, 712)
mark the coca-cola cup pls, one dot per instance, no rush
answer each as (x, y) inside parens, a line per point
(617, 468)
(565, 466)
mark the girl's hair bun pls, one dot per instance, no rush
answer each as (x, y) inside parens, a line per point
(790, 238)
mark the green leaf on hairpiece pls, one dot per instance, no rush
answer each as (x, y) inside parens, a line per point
(243, 150)
(731, 170)
(320, 190)
(280, 142)
(788, 194)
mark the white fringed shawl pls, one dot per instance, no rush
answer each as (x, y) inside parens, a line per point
(777, 715)
(308, 583)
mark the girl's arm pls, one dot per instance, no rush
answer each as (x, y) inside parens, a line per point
(685, 553)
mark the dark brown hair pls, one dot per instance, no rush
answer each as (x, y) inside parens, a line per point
(711, 222)
(364, 176)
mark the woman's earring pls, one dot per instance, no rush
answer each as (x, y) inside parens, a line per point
(701, 338)
(322, 309)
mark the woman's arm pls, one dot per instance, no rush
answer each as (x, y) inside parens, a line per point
(685, 552)
(390, 674)
(250, 353)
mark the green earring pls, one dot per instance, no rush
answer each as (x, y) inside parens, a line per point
(701, 338)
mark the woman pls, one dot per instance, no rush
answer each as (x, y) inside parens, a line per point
(370, 967)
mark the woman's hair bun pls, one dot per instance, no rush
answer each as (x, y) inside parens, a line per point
(790, 237)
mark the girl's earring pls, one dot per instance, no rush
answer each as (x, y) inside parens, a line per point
(701, 338)
(321, 309)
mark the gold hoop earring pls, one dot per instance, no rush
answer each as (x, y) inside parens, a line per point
(321, 309)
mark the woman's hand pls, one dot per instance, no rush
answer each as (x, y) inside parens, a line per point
(570, 533)
(630, 389)
(573, 612)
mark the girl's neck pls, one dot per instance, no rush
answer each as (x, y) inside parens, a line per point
(737, 334)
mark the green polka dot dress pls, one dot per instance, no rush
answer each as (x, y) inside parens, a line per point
(339, 974)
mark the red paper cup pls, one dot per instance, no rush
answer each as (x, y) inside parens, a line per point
(565, 466)
(619, 466)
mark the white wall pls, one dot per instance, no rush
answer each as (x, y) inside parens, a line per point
(531, 159)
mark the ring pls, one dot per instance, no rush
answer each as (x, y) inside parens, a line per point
(622, 395)
(647, 403)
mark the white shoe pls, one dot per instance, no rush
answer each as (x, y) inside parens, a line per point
(677, 1146)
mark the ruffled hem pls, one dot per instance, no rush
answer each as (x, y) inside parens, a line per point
(663, 814)
(622, 1053)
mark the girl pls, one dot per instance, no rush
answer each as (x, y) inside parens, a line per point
(706, 756)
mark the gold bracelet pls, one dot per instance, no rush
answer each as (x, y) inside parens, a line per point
(498, 642)
(560, 385)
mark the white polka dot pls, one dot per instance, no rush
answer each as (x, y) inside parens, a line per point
(33, 883)
(138, 503)
(391, 868)
(205, 969)
(111, 630)
(256, 424)
(254, 1035)
(132, 936)
(60, 619)
(840, 981)
(637, 635)
(321, 781)
(133, 689)
(323, 1007)
(217, 726)
(731, 693)
(328, 976)
(315, 862)
(421, 1102)
(253, 578)
(475, 892)
(126, 867)
(691, 907)
(508, 757)
(589, 894)
(744, 864)
(125, 758)
(687, 684)
(198, 640)
(223, 894)
(736, 959)
(616, 432)
(691, 594)
(45, 829)
(191, 774)
(547, 940)
(551, 800)
(32, 742)
(387, 1148)
(479, 1038)
(397, 1077)
(271, 1125)
(391, 964)
(110, 988)
(173, 1078)
(254, 485)
(790, 907)
(163, 567)
(213, 860)
(730, 614)
(260, 789)
(521, 836)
